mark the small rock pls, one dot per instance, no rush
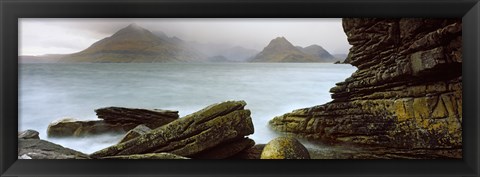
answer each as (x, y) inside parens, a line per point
(136, 132)
(28, 134)
(285, 148)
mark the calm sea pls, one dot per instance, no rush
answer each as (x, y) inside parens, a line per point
(48, 92)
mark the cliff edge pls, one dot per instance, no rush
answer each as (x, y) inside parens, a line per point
(406, 93)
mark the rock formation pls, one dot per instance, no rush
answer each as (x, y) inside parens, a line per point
(135, 132)
(284, 148)
(406, 93)
(28, 134)
(31, 147)
(192, 134)
(115, 120)
(150, 118)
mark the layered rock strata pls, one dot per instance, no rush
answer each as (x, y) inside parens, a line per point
(190, 135)
(406, 93)
(115, 120)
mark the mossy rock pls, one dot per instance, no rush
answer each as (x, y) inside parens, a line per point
(285, 148)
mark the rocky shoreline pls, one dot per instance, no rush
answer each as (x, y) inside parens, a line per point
(403, 102)
(406, 94)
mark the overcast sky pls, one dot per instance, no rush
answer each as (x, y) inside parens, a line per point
(38, 36)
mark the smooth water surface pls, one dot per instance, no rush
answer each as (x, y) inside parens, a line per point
(48, 92)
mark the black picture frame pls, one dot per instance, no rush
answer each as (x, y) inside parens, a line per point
(11, 10)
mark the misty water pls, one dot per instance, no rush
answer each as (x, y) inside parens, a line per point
(49, 92)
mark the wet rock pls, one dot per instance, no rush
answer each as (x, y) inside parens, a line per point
(41, 149)
(226, 150)
(151, 118)
(192, 134)
(285, 148)
(28, 134)
(162, 155)
(251, 153)
(406, 93)
(115, 120)
(136, 132)
(70, 127)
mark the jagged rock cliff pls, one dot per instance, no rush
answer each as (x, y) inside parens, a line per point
(406, 93)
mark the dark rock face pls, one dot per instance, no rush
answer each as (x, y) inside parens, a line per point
(150, 118)
(40, 149)
(226, 150)
(115, 120)
(406, 93)
(192, 134)
(251, 153)
(74, 128)
(28, 134)
(284, 148)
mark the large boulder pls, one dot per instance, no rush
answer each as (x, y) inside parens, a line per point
(151, 118)
(285, 148)
(192, 134)
(28, 134)
(41, 149)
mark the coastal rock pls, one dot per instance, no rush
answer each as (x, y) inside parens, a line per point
(151, 118)
(28, 134)
(136, 132)
(284, 148)
(251, 153)
(192, 134)
(162, 155)
(406, 93)
(226, 150)
(69, 127)
(41, 149)
(115, 120)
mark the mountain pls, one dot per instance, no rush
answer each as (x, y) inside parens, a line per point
(232, 53)
(137, 45)
(281, 50)
(319, 52)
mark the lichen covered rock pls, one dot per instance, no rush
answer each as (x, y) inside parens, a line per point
(285, 148)
(192, 134)
(406, 93)
(136, 132)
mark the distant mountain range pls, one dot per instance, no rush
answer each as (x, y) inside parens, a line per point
(281, 50)
(134, 44)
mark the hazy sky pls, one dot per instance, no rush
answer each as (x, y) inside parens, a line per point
(38, 36)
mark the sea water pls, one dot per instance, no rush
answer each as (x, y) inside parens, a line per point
(49, 92)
